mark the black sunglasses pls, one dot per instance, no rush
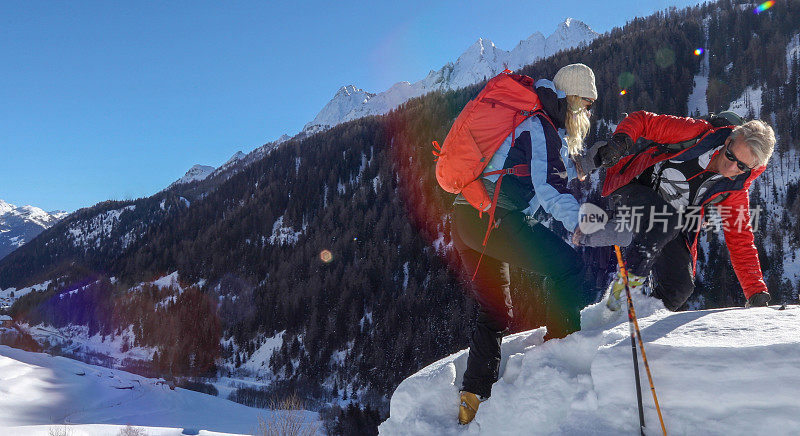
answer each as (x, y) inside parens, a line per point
(590, 101)
(732, 157)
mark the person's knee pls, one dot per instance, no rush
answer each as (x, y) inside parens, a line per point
(494, 319)
(673, 296)
(671, 305)
(490, 285)
(570, 278)
(570, 265)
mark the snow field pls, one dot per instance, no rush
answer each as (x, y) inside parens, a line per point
(103, 430)
(38, 391)
(724, 371)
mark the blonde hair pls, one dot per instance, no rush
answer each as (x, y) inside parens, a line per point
(576, 124)
(759, 136)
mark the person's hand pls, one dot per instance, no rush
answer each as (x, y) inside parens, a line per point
(615, 149)
(758, 300)
(576, 236)
(588, 162)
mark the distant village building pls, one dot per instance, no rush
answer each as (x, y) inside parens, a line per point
(6, 321)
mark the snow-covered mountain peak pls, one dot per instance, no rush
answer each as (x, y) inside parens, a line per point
(34, 214)
(198, 170)
(195, 173)
(350, 91)
(27, 213)
(481, 45)
(236, 156)
(20, 224)
(480, 61)
(526, 51)
(481, 50)
(573, 25)
(345, 100)
(60, 214)
(6, 207)
(570, 33)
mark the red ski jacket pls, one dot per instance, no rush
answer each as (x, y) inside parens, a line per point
(730, 196)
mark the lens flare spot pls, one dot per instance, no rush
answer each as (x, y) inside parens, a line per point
(665, 57)
(626, 79)
(764, 6)
(699, 51)
(623, 92)
(326, 256)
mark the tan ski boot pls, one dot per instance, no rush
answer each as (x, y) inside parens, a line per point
(468, 408)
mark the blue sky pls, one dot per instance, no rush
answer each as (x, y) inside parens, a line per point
(115, 100)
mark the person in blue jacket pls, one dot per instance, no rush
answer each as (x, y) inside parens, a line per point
(548, 143)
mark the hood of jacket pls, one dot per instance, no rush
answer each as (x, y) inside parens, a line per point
(554, 102)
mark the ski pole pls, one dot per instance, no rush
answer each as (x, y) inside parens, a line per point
(631, 317)
(633, 324)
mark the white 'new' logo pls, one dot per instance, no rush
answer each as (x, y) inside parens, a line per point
(591, 218)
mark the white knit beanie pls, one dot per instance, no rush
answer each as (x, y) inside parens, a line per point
(576, 79)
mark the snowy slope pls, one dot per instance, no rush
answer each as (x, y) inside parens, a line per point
(698, 103)
(719, 372)
(38, 391)
(481, 60)
(95, 231)
(792, 52)
(10, 295)
(76, 341)
(774, 186)
(748, 105)
(19, 225)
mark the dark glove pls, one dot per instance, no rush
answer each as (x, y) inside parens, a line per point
(618, 147)
(758, 300)
(587, 162)
(725, 118)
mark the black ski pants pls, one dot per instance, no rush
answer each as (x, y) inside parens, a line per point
(532, 247)
(660, 248)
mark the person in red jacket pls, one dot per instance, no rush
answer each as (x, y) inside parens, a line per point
(666, 189)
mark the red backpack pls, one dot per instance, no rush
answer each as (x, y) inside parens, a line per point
(477, 133)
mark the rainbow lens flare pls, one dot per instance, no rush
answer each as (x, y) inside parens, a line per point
(623, 92)
(764, 6)
(699, 51)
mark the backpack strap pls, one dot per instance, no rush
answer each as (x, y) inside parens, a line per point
(521, 170)
(437, 150)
